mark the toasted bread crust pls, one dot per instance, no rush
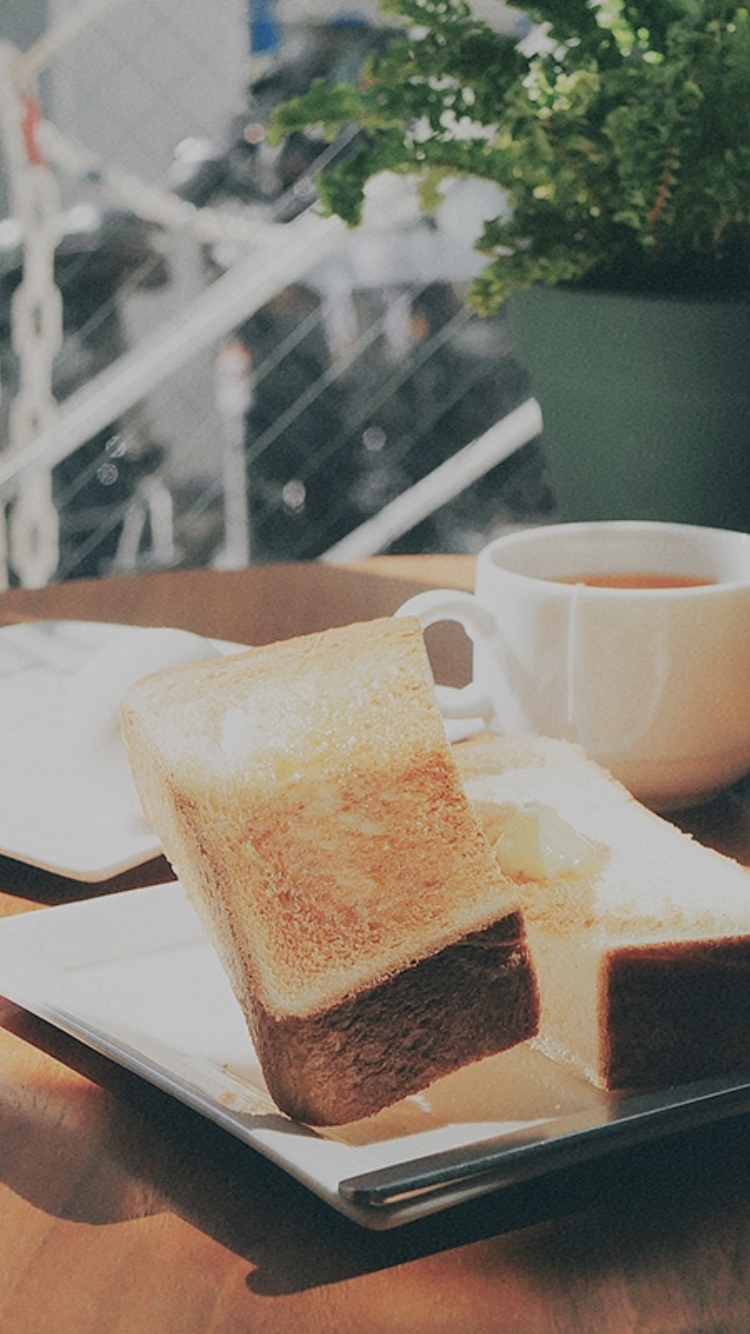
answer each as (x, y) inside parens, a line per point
(676, 1013)
(471, 1000)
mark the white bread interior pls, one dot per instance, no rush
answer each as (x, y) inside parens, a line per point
(642, 953)
(310, 804)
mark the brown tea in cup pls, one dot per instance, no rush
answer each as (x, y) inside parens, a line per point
(635, 579)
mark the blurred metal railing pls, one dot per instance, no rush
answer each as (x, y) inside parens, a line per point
(447, 481)
(296, 396)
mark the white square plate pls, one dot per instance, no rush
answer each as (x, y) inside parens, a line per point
(48, 817)
(134, 977)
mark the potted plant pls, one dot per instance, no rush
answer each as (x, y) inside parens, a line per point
(619, 132)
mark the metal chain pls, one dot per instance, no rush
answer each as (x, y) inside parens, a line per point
(36, 330)
(4, 568)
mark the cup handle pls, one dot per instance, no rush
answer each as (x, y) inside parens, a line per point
(445, 604)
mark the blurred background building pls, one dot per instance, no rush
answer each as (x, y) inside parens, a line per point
(196, 367)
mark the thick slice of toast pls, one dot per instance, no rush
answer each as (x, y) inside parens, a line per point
(310, 804)
(640, 936)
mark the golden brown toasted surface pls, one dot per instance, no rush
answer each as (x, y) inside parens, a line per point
(310, 803)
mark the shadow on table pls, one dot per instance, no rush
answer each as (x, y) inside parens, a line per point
(116, 1148)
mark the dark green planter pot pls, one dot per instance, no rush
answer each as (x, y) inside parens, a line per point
(646, 403)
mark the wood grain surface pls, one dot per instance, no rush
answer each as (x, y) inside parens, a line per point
(123, 1211)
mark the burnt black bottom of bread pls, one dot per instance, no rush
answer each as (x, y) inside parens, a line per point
(473, 999)
(677, 1013)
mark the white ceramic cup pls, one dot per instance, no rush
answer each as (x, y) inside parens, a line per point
(653, 683)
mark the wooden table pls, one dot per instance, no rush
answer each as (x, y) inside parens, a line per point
(121, 1210)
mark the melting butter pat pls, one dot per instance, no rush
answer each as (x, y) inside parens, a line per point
(537, 844)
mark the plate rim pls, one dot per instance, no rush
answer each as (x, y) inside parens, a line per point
(33, 951)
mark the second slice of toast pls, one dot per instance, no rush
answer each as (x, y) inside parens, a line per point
(640, 936)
